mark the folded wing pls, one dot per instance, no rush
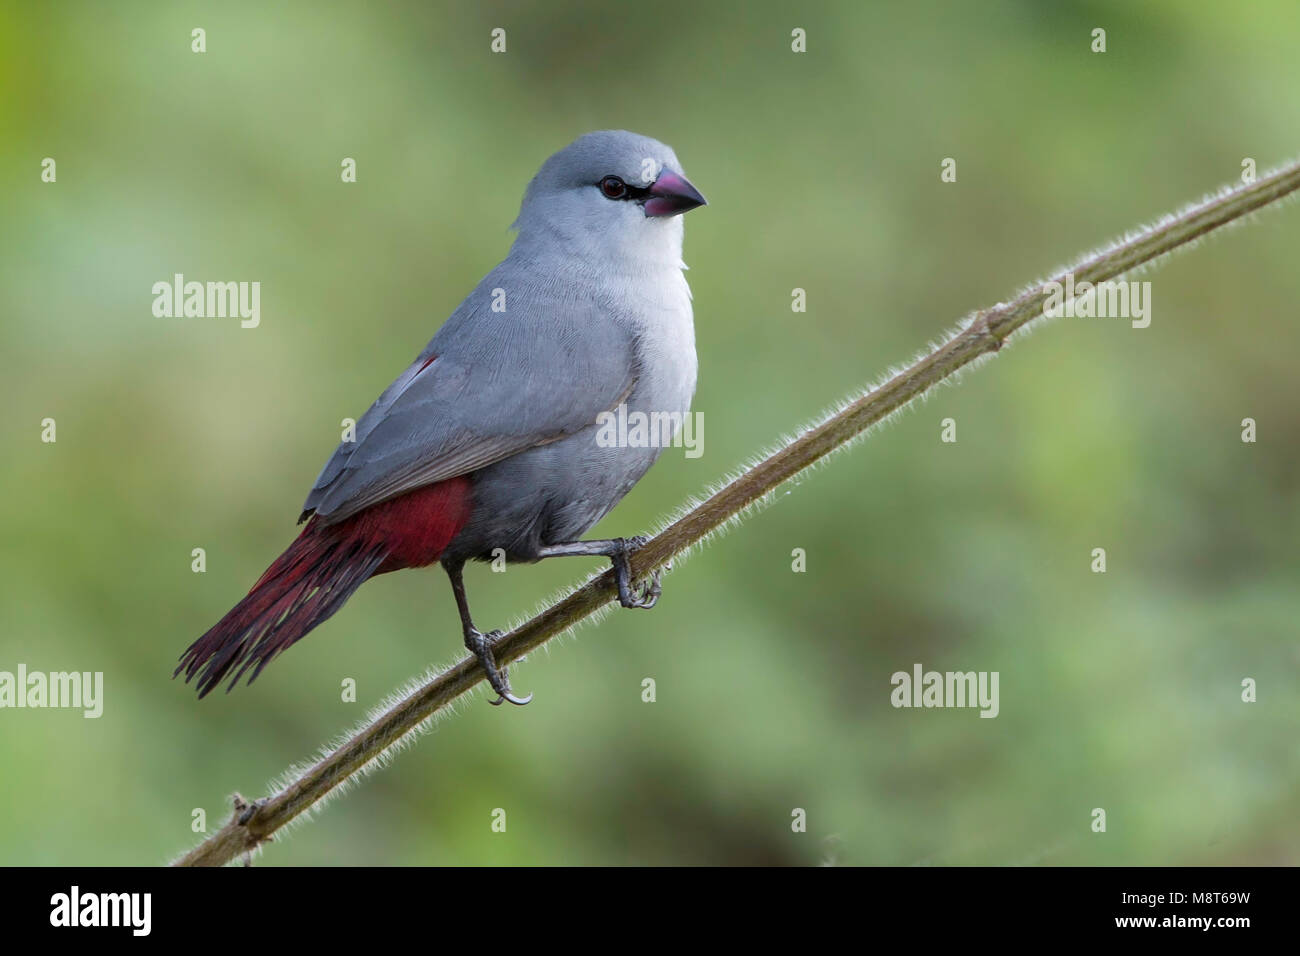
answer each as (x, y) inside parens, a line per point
(489, 385)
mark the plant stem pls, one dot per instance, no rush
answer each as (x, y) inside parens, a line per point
(980, 335)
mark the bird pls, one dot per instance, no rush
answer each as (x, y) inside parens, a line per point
(488, 443)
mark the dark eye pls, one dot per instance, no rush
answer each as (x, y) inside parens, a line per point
(613, 187)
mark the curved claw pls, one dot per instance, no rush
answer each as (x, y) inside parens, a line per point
(518, 701)
(651, 590)
(507, 694)
(480, 645)
(642, 594)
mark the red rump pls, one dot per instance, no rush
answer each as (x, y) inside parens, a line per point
(320, 571)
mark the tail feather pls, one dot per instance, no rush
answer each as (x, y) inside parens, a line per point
(318, 573)
(301, 589)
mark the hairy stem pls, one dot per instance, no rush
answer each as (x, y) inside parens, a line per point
(982, 334)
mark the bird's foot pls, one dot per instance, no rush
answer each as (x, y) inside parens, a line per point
(480, 645)
(645, 593)
(642, 594)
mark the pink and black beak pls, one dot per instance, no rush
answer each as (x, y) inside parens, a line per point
(671, 195)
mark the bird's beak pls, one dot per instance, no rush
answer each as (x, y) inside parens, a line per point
(671, 195)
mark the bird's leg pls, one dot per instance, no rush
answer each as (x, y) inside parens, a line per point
(618, 550)
(480, 644)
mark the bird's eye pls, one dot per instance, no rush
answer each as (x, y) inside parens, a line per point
(613, 187)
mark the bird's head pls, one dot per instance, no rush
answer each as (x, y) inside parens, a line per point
(610, 193)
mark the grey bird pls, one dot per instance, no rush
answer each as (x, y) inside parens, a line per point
(489, 442)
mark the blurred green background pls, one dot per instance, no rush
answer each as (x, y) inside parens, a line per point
(1118, 690)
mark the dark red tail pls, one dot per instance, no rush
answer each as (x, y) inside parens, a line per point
(319, 572)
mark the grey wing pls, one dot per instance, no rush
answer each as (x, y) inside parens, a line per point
(489, 385)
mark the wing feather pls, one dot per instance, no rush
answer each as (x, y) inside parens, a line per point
(489, 385)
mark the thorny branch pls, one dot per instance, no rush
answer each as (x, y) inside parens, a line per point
(980, 335)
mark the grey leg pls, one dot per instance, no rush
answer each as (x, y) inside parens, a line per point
(480, 644)
(618, 550)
